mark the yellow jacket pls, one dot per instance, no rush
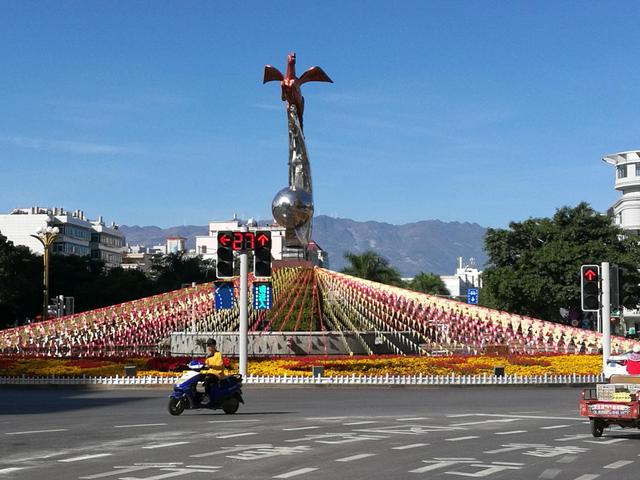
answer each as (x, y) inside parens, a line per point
(214, 364)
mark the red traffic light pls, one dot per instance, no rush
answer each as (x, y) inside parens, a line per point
(590, 274)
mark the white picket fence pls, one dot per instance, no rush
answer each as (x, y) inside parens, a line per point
(344, 380)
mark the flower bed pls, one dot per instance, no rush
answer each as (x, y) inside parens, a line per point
(524, 365)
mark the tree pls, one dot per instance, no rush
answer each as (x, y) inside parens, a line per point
(20, 283)
(428, 283)
(372, 266)
(172, 271)
(533, 266)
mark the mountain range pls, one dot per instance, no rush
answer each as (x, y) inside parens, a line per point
(426, 246)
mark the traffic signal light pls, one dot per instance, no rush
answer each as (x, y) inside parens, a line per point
(224, 264)
(616, 287)
(262, 254)
(590, 287)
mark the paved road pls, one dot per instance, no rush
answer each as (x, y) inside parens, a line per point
(311, 433)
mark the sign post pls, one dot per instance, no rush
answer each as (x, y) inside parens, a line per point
(244, 309)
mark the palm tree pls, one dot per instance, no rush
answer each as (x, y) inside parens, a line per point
(371, 266)
(428, 283)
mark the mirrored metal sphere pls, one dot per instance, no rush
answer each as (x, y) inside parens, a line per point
(292, 208)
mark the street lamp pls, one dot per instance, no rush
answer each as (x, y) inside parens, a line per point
(46, 236)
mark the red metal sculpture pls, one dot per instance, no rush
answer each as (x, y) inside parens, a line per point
(291, 84)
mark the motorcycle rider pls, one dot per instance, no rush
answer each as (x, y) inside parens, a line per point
(213, 366)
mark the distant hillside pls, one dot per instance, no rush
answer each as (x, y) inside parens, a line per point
(427, 246)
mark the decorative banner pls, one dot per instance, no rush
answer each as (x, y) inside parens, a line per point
(262, 295)
(224, 298)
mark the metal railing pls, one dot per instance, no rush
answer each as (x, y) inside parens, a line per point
(417, 380)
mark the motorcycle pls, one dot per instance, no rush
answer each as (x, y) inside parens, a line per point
(191, 392)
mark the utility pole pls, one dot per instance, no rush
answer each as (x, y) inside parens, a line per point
(606, 313)
(244, 307)
(46, 236)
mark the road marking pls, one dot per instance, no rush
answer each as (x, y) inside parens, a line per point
(295, 473)
(512, 416)
(413, 445)
(360, 423)
(141, 425)
(84, 457)
(411, 419)
(619, 464)
(231, 421)
(606, 442)
(237, 448)
(311, 427)
(233, 435)
(484, 422)
(570, 438)
(457, 439)
(37, 431)
(355, 457)
(551, 427)
(136, 468)
(10, 470)
(588, 476)
(162, 445)
(550, 473)
(511, 432)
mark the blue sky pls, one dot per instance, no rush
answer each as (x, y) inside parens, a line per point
(154, 112)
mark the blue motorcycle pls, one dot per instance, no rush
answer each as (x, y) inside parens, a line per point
(195, 391)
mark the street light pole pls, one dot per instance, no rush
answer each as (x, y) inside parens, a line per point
(46, 236)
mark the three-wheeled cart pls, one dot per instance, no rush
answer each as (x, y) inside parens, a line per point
(611, 404)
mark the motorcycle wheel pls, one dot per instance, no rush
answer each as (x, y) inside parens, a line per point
(176, 406)
(230, 405)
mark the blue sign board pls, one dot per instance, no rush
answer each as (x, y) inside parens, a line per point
(472, 296)
(262, 295)
(223, 295)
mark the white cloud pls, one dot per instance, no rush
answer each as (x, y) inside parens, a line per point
(69, 146)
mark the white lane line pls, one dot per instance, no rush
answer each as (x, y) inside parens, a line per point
(588, 476)
(120, 471)
(231, 421)
(10, 470)
(512, 432)
(295, 473)
(141, 425)
(484, 422)
(606, 442)
(37, 431)
(457, 439)
(551, 427)
(619, 464)
(162, 445)
(413, 445)
(84, 457)
(360, 423)
(233, 435)
(411, 419)
(355, 457)
(310, 427)
(550, 473)
(541, 417)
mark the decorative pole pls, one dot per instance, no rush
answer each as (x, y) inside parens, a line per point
(46, 236)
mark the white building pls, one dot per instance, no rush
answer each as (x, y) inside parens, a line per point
(175, 244)
(78, 235)
(466, 276)
(626, 211)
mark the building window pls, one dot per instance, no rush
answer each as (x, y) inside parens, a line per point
(622, 171)
(637, 169)
(203, 249)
